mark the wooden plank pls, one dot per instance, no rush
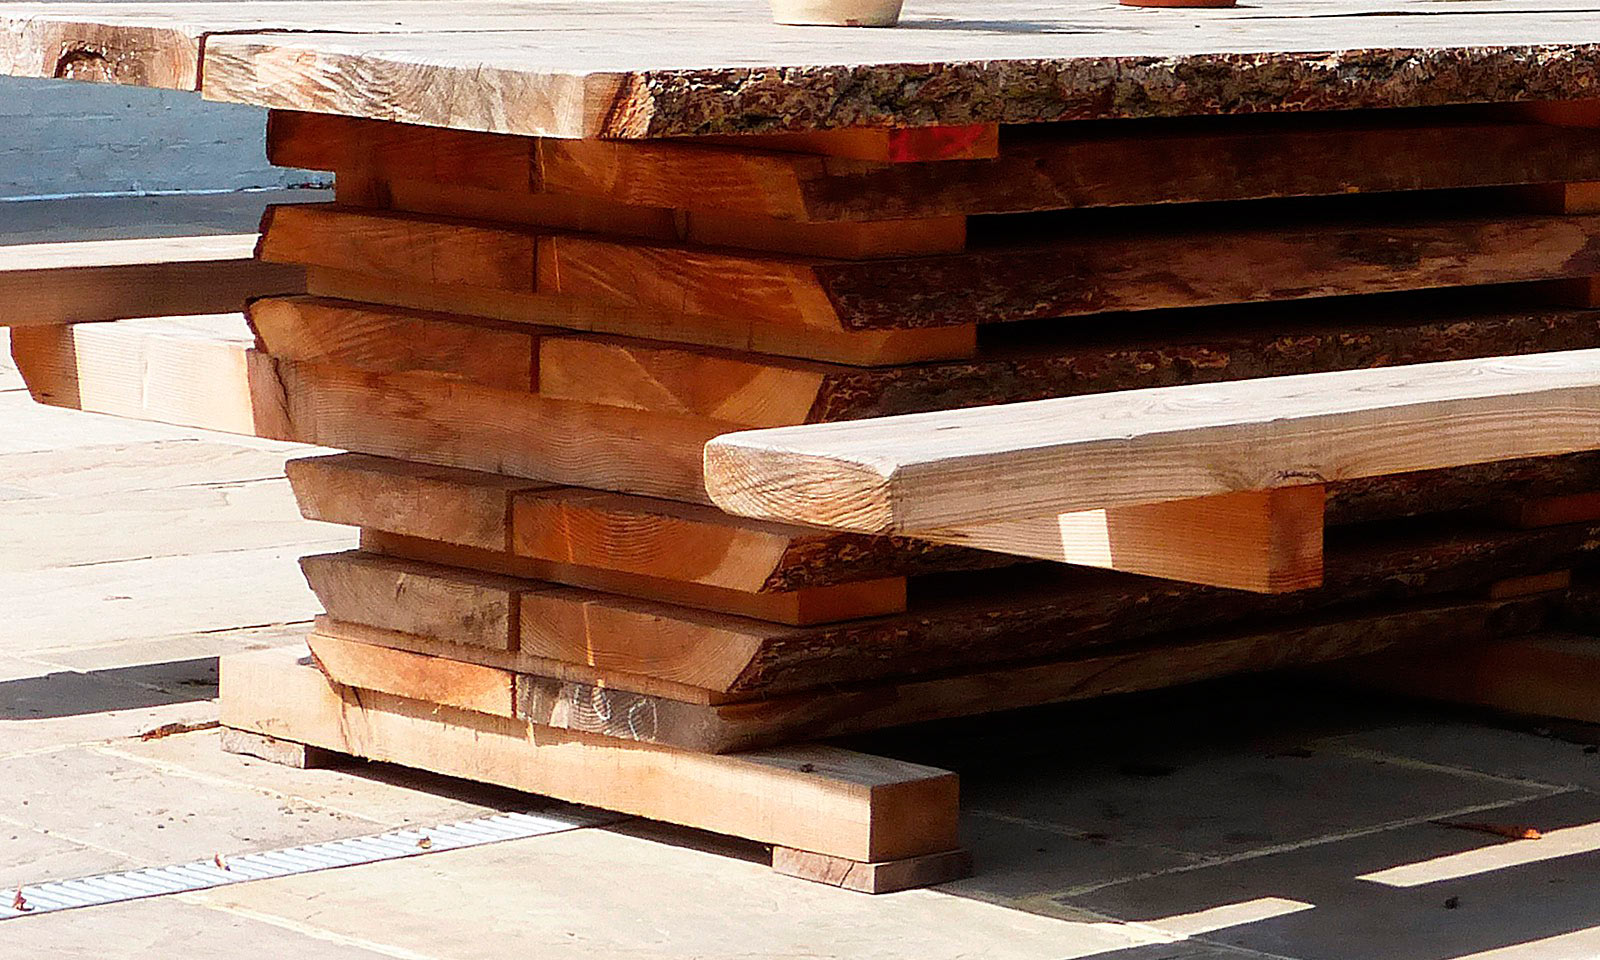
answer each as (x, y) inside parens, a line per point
(452, 604)
(616, 73)
(816, 798)
(1546, 676)
(1037, 613)
(1267, 541)
(918, 474)
(1059, 278)
(1222, 344)
(659, 538)
(896, 875)
(93, 280)
(450, 683)
(434, 250)
(978, 141)
(152, 370)
(797, 607)
(432, 503)
(1044, 170)
(1551, 510)
(317, 141)
(387, 339)
(361, 188)
(285, 753)
(511, 661)
(1531, 584)
(828, 713)
(863, 348)
(201, 375)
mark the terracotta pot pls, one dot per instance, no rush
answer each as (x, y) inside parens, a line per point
(837, 13)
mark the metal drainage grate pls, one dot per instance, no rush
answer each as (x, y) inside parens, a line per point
(220, 872)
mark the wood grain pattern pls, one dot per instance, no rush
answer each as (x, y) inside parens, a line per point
(919, 473)
(447, 603)
(94, 280)
(388, 340)
(1266, 541)
(889, 877)
(748, 725)
(450, 683)
(796, 607)
(1040, 169)
(861, 348)
(816, 798)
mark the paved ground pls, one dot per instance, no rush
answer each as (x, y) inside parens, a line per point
(1226, 822)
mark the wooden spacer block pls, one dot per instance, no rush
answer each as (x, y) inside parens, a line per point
(1513, 587)
(1552, 511)
(886, 877)
(1564, 113)
(1267, 541)
(282, 752)
(452, 683)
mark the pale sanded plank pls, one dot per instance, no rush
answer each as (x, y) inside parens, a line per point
(930, 472)
(89, 280)
(815, 798)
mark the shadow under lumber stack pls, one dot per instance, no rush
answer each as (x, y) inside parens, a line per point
(526, 344)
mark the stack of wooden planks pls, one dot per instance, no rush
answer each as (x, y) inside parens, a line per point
(526, 345)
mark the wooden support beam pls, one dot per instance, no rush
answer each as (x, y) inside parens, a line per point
(93, 280)
(978, 141)
(1544, 676)
(816, 798)
(939, 471)
(1552, 510)
(1266, 541)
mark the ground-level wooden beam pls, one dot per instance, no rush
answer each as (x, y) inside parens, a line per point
(821, 799)
(861, 877)
(1547, 676)
(926, 473)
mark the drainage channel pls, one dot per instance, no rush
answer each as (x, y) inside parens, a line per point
(32, 899)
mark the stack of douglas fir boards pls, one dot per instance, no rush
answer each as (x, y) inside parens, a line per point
(526, 345)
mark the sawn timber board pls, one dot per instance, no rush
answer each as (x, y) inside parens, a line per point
(611, 69)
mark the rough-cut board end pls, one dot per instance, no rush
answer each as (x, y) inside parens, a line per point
(887, 877)
(285, 753)
(788, 487)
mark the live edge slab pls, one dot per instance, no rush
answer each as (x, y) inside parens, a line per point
(613, 69)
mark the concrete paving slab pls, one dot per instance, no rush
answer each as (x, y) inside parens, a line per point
(166, 929)
(28, 856)
(142, 599)
(211, 518)
(1469, 746)
(1327, 901)
(157, 815)
(183, 647)
(129, 467)
(1018, 861)
(592, 893)
(382, 794)
(1214, 803)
